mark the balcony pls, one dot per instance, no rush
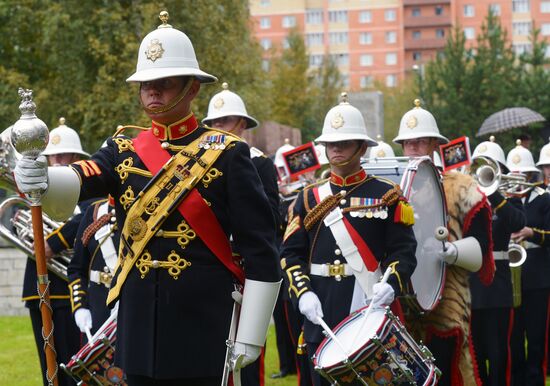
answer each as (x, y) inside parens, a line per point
(427, 21)
(424, 44)
(425, 2)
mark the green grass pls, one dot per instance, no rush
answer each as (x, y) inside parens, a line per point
(19, 364)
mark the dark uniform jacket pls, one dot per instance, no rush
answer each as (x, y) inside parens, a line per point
(508, 217)
(536, 269)
(390, 242)
(59, 240)
(172, 327)
(86, 293)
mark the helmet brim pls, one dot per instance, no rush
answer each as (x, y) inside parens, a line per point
(251, 122)
(336, 137)
(400, 138)
(65, 151)
(159, 73)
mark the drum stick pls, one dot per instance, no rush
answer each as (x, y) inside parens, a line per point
(332, 336)
(366, 313)
(441, 233)
(88, 334)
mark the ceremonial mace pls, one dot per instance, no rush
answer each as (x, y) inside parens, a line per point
(29, 136)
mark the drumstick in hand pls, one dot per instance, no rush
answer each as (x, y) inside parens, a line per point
(332, 336)
(366, 313)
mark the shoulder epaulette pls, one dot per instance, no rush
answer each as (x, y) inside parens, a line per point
(255, 152)
(99, 201)
(386, 180)
(120, 129)
(540, 191)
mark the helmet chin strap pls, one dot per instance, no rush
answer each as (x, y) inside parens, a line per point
(348, 161)
(172, 103)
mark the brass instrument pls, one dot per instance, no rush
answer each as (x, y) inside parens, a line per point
(489, 177)
(516, 254)
(21, 236)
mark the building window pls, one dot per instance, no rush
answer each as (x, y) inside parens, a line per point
(286, 43)
(390, 15)
(338, 37)
(265, 65)
(391, 37)
(545, 6)
(416, 11)
(289, 21)
(265, 3)
(315, 60)
(366, 81)
(495, 9)
(521, 28)
(469, 33)
(417, 55)
(365, 38)
(523, 48)
(391, 80)
(314, 39)
(439, 10)
(416, 35)
(314, 16)
(266, 43)
(265, 23)
(338, 16)
(469, 11)
(391, 59)
(365, 17)
(545, 29)
(345, 81)
(439, 33)
(520, 6)
(340, 59)
(366, 60)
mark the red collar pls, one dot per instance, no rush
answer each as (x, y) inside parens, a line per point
(111, 200)
(353, 179)
(176, 130)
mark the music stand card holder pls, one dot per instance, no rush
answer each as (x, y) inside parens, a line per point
(301, 159)
(455, 154)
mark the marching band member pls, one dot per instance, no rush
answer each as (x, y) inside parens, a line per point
(63, 148)
(318, 254)
(382, 150)
(531, 317)
(91, 268)
(446, 328)
(544, 164)
(227, 111)
(180, 191)
(492, 305)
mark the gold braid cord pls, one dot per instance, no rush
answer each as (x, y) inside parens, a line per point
(321, 209)
(94, 227)
(47, 339)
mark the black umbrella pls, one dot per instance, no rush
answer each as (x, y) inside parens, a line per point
(509, 119)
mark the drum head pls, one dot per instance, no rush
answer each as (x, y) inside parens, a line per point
(421, 185)
(354, 333)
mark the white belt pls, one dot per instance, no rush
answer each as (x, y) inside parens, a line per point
(337, 270)
(101, 278)
(529, 245)
(500, 255)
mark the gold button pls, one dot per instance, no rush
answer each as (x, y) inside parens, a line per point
(156, 264)
(160, 233)
(165, 145)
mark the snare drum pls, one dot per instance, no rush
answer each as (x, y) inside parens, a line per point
(420, 182)
(381, 352)
(93, 364)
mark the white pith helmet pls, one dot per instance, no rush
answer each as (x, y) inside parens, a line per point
(520, 159)
(343, 123)
(544, 156)
(225, 104)
(382, 150)
(321, 154)
(279, 159)
(167, 52)
(418, 123)
(63, 140)
(490, 149)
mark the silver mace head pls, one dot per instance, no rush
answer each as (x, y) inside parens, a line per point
(29, 135)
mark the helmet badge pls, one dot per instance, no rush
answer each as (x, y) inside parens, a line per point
(381, 153)
(516, 159)
(55, 139)
(337, 121)
(482, 148)
(218, 103)
(412, 122)
(154, 50)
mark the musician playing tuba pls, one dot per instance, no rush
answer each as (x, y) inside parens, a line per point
(531, 318)
(492, 305)
(445, 329)
(63, 148)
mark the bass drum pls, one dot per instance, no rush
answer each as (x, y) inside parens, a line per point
(421, 184)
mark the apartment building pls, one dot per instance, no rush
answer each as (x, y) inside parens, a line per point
(387, 39)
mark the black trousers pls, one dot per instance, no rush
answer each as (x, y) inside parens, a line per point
(139, 380)
(285, 347)
(66, 337)
(491, 328)
(531, 325)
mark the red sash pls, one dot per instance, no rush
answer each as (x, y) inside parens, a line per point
(366, 254)
(193, 208)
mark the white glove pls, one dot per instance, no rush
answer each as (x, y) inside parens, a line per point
(31, 175)
(382, 295)
(83, 319)
(249, 353)
(310, 307)
(450, 253)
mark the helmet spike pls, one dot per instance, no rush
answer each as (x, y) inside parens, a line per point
(344, 98)
(164, 16)
(492, 138)
(417, 103)
(225, 85)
